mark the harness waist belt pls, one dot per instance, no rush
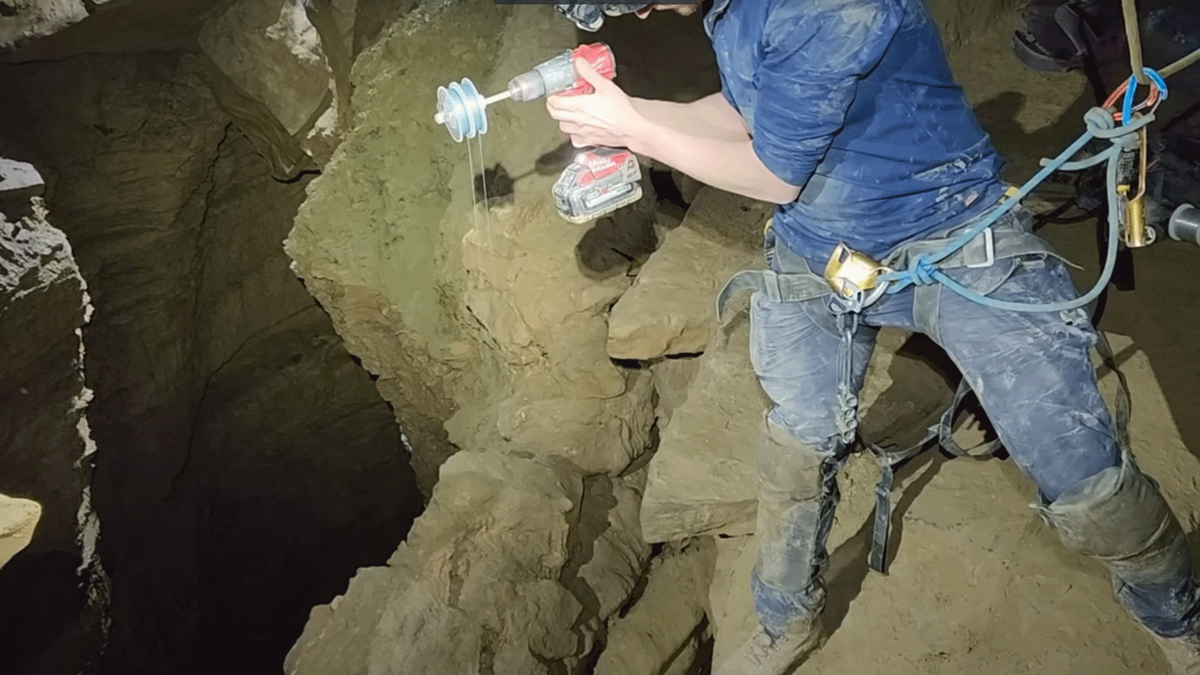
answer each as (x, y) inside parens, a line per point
(994, 243)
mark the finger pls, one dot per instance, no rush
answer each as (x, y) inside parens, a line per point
(558, 105)
(565, 114)
(589, 74)
(577, 129)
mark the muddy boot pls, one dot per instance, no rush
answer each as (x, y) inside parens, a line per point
(1119, 517)
(798, 496)
(1183, 652)
(764, 654)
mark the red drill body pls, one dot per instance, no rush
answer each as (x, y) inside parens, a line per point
(600, 180)
(558, 76)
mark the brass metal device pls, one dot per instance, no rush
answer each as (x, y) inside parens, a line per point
(1137, 235)
(849, 272)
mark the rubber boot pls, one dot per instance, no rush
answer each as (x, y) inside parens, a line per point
(1120, 518)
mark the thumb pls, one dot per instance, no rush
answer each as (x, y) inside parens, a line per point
(589, 74)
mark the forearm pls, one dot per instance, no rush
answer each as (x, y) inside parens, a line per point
(709, 117)
(724, 163)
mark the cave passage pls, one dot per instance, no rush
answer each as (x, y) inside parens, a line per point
(247, 465)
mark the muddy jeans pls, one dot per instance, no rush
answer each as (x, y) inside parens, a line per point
(1031, 371)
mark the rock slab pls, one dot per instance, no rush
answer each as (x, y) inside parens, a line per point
(511, 569)
(18, 519)
(660, 634)
(670, 305)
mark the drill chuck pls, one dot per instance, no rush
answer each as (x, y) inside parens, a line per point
(553, 76)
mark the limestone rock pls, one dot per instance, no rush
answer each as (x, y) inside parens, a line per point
(43, 304)
(611, 551)
(380, 240)
(489, 579)
(689, 187)
(18, 183)
(278, 74)
(48, 536)
(669, 308)
(27, 20)
(567, 398)
(659, 634)
(18, 518)
(47, 30)
(960, 22)
(273, 52)
(1157, 441)
(672, 378)
(702, 478)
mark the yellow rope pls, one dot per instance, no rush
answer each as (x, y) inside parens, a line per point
(1133, 33)
(1189, 60)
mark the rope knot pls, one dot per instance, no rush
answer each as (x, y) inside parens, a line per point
(921, 271)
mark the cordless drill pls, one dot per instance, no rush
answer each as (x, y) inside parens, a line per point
(599, 180)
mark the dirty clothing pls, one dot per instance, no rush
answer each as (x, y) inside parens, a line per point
(854, 101)
(1033, 375)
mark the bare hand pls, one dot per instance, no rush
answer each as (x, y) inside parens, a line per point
(606, 117)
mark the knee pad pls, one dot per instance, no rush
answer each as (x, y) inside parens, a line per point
(1120, 518)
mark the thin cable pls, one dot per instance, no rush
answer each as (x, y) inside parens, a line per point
(474, 214)
(1134, 36)
(487, 216)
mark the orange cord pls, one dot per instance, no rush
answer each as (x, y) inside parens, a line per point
(1151, 101)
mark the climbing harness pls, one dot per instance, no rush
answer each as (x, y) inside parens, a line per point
(853, 281)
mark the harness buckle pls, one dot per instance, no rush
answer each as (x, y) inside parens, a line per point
(850, 273)
(989, 247)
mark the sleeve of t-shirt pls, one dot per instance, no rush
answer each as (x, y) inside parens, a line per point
(808, 76)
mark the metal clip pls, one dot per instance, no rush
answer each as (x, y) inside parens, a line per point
(1135, 231)
(989, 245)
(850, 273)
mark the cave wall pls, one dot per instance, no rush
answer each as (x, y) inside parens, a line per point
(231, 424)
(387, 292)
(960, 21)
(47, 528)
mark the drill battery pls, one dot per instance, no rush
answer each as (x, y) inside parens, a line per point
(598, 182)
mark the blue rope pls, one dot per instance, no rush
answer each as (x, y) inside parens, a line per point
(923, 270)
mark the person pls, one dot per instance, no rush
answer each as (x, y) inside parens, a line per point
(845, 115)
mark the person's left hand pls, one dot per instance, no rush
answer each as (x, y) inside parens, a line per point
(606, 117)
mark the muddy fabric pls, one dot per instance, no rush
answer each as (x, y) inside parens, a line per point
(1032, 373)
(854, 101)
(1120, 518)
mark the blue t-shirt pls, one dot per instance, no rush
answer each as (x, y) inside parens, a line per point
(854, 102)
